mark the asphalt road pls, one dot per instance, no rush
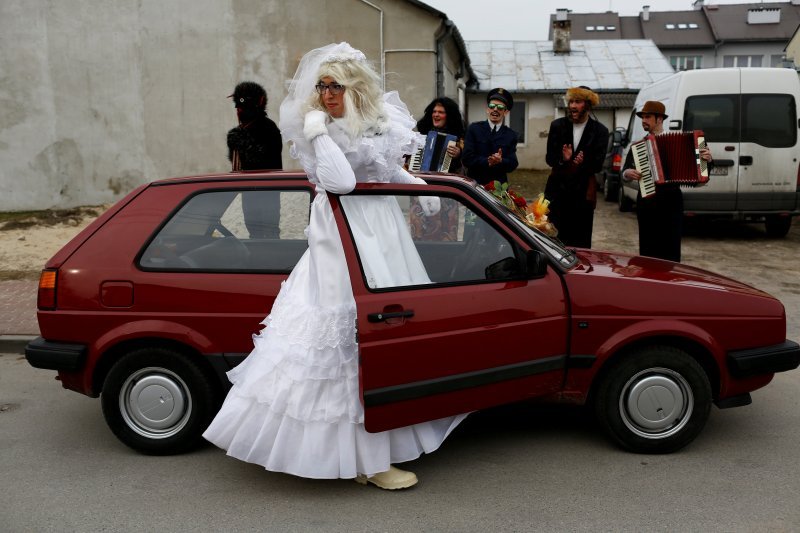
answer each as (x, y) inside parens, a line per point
(519, 468)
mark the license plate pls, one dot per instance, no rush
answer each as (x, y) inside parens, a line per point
(719, 171)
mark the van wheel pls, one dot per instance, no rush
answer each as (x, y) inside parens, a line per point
(777, 226)
(157, 401)
(655, 400)
(624, 203)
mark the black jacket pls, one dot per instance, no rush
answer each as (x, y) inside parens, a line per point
(258, 144)
(480, 143)
(567, 182)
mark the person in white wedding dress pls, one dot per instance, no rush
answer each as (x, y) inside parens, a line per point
(294, 406)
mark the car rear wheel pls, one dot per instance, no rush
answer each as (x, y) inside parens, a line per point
(610, 190)
(656, 400)
(157, 401)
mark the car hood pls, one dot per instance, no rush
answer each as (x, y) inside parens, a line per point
(615, 283)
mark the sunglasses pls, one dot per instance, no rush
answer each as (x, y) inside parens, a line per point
(334, 88)
(499, 107)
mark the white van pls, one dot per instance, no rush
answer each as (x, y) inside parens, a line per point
(749, 116)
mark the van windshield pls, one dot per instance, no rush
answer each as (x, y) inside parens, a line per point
(766, 119)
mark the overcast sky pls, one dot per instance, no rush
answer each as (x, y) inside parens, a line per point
(529, 20)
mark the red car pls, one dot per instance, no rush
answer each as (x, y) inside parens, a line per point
(152, 303)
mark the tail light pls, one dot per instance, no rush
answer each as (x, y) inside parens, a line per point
(46, 298)
(616, 162)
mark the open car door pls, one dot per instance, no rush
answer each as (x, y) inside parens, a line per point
(475, 333)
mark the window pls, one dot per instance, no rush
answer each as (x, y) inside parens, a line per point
(686, 62)
(716, 115)
(769, 120)
(233, 230)
(766, 119)
(517, 120)
(742, 61)
(670, 26)
(589, 28)
(454, 244)
(776, 60)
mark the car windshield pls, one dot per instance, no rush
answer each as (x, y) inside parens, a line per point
(552, 246)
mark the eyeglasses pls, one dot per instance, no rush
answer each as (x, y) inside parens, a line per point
(499, 107)
(334, 88)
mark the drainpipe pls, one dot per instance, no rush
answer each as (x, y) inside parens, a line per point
(382, 52)
(448, 31)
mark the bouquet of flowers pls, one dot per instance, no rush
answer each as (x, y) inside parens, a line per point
(534, 214)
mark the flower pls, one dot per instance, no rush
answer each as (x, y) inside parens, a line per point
(534, 214)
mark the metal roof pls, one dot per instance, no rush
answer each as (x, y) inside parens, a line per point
(532, 66)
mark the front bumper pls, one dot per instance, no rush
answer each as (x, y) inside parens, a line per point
(764, 360)
(65, 356)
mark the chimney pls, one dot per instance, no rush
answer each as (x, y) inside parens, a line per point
(698, 5)
(561, 36)
(562, 14)
(645, 13)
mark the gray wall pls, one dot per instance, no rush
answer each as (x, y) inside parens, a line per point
(98, 97)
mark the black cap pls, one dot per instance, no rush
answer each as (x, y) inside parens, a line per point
(249, 94)
(502, 95)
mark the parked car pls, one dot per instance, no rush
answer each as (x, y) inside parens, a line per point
(608, 179)
(150, 304)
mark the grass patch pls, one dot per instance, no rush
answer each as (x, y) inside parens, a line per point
(49, 217)
(528, 183)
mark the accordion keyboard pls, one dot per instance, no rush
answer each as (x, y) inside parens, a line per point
(642, 160)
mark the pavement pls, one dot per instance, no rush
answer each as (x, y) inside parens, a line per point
(18, 323)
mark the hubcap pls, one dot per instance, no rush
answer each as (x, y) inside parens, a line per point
(155, 402)
(656, 403)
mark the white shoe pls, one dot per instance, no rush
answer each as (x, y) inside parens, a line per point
(392, 479)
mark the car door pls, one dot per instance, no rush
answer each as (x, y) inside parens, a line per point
(474, 334)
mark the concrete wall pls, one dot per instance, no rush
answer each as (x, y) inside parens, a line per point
(98, 97)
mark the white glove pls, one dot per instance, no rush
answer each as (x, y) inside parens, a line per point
(430, 204)
(314, 124)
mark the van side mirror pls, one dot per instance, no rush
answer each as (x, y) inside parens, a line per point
(535, 264)
(616, 138)
(675, 124)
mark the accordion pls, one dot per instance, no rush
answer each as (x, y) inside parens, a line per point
(433, 156)
(672, 157)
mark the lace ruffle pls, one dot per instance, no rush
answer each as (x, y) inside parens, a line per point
(312, 326)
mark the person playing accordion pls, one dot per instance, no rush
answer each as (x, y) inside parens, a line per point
(660, 215)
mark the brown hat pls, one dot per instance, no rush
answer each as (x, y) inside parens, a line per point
(652, 107)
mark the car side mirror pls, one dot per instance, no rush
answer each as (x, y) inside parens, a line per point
(534, 264)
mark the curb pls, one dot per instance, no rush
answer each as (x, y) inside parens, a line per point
(14, 343)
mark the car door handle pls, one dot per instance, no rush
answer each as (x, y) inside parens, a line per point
(382, 317)
(745, 159)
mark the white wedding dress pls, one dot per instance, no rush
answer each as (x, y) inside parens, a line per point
(294, 406)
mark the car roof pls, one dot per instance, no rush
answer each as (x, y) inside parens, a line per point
(299, 175)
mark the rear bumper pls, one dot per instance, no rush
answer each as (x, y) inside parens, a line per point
(765, 360)
(65, 356)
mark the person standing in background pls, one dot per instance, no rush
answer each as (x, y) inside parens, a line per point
(576, 148)
(490, 147)
(256, 144)
(660, 216)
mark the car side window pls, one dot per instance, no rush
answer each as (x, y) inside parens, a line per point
(233, 230)
(769, 120)
(454, 244)
(717, 115)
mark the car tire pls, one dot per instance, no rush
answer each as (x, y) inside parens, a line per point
(639, 390)
(777, 226)
(610, 191)
(158, 402)
(624, 203)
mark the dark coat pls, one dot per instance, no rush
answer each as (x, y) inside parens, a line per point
(480, 143)
(571, 188)
(258, 144)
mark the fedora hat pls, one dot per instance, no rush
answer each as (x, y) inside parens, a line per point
(652, 107)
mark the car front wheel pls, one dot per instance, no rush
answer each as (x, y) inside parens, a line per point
(656, 400)
(157, 401)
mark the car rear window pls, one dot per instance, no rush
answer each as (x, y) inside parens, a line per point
(232, 230)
